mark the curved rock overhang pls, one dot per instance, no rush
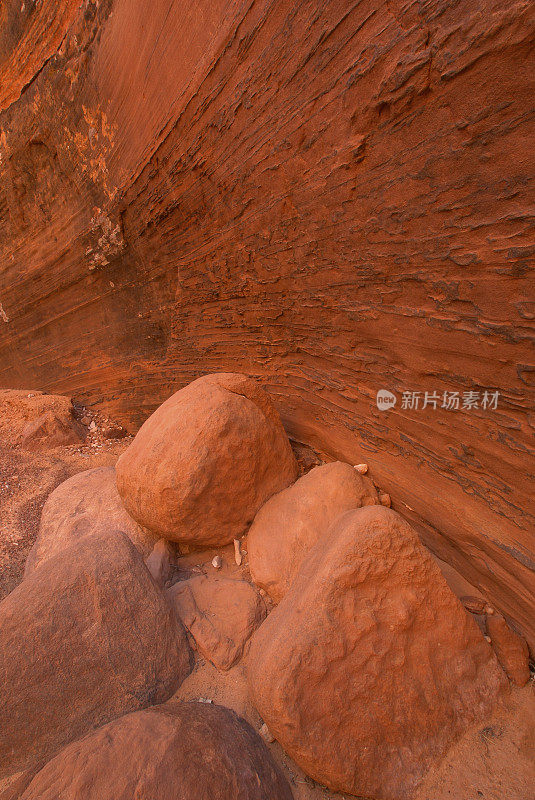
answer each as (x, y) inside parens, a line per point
(335, 197)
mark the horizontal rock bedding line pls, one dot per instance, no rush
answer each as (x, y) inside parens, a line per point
(334, 197)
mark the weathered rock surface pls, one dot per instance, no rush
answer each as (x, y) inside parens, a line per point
(289, 525)
(85, 638)
(510, 648)
(51, 431)
(202, 465)
(370, 668)
(335, 197)
(26, 481)
(220, 613)
(160, 562)
(86, 503)
(189, 751)
(37, 421)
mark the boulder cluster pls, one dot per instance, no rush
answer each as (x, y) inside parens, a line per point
(361, 662)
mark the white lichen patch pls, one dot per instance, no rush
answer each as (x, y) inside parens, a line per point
(110, 240)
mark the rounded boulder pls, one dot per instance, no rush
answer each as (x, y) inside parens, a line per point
(85, 503)
(289, 525)
(87, 637)
(370, 668)
(185, 751)
(203, 464)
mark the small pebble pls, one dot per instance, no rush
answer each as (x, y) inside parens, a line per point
(489, 610)
(475, 605)
(205, 700)
(237, 552)
(385, 500)
(114, 432)
(266, 734)
(217, 562)
(362, 468)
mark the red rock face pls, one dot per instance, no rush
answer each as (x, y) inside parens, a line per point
(331, 196)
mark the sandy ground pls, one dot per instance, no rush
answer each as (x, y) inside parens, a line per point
(495, 761)
(26, 480)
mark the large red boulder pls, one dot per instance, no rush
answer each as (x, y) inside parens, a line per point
(369, 668)
(87, 637)
(206, 460)
(185, 751)
(86, 503)
(288, 526)
(220, 613)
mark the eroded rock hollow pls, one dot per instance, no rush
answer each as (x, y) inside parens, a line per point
(332, 197)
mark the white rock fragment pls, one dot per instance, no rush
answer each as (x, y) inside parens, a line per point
(217, 562)
(362, 468)
(237, 552)
(158, 562)
(266, 734)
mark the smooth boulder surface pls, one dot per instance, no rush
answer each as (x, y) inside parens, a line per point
(201, 466)
(85, 638)
(510, 648)
(289, 525)
(221, 614)
(370, 668)
(186, 751)
(86, 503)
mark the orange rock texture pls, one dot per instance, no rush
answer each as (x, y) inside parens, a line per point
(205, 462)
(369, 668)
(180, 750)
(71, 654)
(330, 196)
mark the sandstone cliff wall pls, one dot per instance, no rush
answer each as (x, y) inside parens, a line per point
(333, 196)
